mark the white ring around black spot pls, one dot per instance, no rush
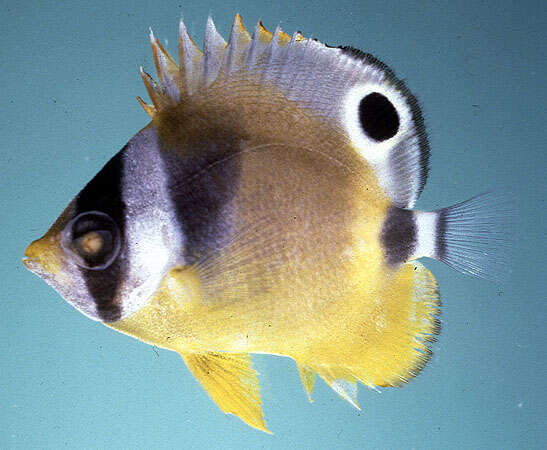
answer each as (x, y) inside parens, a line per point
(374, 141)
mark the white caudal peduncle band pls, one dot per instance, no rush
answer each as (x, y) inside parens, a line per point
(426, 234)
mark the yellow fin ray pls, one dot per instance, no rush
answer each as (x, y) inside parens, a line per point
(391, 343)
(155, 93)
(149, 109)
(407, 322)
(167, 69)
(388, 346)
(239, 32)
(237, 46)
(347, 390)
(189, 59)
(262, 34)
(342, 381)
(307, 376)
(214, 47)
(198, 69)
(231, 382)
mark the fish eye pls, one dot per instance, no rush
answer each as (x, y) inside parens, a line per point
(378, 117)
(91, 240)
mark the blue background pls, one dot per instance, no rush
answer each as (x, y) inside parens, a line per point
(69, 79)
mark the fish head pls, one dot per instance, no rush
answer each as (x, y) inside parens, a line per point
(75, 244)
(108, 251)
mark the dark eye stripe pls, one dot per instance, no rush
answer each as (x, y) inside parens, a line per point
(104, 193)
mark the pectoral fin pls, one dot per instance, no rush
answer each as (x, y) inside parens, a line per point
(231, 382)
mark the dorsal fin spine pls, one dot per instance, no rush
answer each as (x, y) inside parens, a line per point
(218, 58)
(213, 49)
(239, 39)
(149, 109)
(167, 69)
(154, 92)
(253, 47)
(233, 46)
(263, 34)
(189, 56)
(269, 56)
(329, 82)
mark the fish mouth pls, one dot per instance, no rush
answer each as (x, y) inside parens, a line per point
(31, 264)
(31, 259)
(43, 256)
(36, 268)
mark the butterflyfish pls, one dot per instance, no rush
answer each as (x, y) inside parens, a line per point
(267, 208)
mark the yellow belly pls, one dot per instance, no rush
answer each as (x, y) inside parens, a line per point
(296, 298)
(302, 276)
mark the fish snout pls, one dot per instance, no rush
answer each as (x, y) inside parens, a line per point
(43, 255)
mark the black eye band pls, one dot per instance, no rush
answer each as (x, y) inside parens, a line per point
(92, 240)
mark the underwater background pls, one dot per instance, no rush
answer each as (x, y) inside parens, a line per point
(69, 79)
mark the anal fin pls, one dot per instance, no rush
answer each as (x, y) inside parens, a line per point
(307, 376)
(342, 381)
(386, 347)
(231, 382)
(347, 390)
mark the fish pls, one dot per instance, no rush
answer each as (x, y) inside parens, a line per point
(268, 208)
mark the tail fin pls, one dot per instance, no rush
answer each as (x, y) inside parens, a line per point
(473, 237)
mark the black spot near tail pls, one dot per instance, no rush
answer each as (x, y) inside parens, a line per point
(398, 235)
(416, 111)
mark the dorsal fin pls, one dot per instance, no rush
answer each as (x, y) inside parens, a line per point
(214, 47)
(167, 69)
(189, 60)
(239, 40)
(353, 91)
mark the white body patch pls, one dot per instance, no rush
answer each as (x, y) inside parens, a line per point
(152, 232)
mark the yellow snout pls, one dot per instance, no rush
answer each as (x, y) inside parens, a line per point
(44, 254)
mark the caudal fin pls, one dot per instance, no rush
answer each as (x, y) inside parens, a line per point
(473, 237)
